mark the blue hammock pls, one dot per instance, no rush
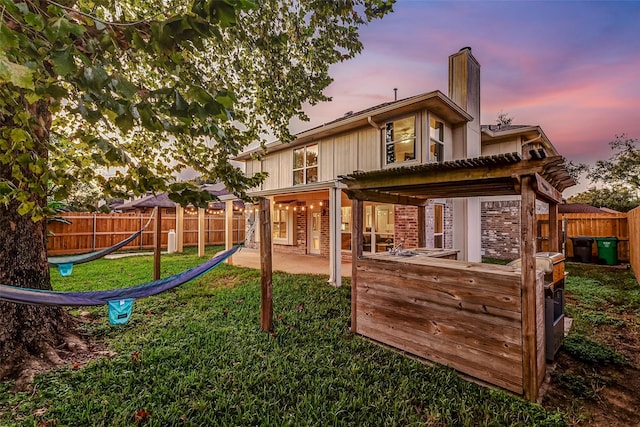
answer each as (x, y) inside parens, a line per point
(121, 297)
(65, 263)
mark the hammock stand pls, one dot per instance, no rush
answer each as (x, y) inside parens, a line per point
(65, 263)
(119, 300)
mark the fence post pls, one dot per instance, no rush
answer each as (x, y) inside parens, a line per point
(93, 233)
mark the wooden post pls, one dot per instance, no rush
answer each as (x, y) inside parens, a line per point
(335, 244)
(179, 229)
(422, 226)
(357, 214)
(528, 269)
(201, 242)
(228, 228)
(266, 285)
(158, 245)
(554, 233)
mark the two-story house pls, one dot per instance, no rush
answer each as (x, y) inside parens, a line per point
(310, 212)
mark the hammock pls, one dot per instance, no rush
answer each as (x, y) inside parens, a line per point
(65, 263)
(115, 298)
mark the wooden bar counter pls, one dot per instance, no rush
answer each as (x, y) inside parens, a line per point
(461, 314)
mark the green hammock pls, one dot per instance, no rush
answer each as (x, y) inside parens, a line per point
(65, 263)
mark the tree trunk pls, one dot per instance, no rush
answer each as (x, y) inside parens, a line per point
(31, 336)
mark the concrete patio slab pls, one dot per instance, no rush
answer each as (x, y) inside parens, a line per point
(289, 263)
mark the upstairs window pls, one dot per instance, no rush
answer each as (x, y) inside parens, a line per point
(400, 140)
(305, 165)
(436, 142)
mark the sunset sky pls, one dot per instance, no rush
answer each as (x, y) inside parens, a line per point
(572, 67)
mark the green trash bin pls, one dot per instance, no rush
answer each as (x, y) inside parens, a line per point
(607, 250)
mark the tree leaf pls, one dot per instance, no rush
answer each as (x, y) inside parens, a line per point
(8, 39)
(17, 74)
(63, 63)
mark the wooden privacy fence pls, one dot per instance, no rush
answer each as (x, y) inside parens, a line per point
(634, 240)
(89, 232)
(590, 225)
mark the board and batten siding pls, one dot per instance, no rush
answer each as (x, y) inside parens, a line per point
(463, 315)
(369, 149)
(359, 149)
(279, 165)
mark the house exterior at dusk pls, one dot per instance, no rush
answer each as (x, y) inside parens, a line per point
(311, 213)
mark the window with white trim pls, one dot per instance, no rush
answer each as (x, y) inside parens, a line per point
(282, 224)
(400, 140)
(305, 165)
(436, 141)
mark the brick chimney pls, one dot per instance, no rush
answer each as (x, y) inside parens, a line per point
(464, 90)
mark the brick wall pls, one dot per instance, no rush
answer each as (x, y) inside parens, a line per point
(406, 225)
(448, 224)
(501, 229)
(324, 229)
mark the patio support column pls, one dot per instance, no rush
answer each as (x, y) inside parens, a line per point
(228, 228)
(467, 233)
(529, 297)
(179, 228)
(335, 238)
(357, 212)
(266, 280)
(554, 232)
(201, 242)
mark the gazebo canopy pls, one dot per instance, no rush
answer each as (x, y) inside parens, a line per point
(497, 175)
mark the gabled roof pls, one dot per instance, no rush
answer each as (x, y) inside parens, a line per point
(434, 101)
(495, 133)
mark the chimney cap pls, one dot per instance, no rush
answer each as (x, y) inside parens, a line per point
(465, 48)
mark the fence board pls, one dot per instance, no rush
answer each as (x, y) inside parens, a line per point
(588, 224)
(634, 241)
(88, 232)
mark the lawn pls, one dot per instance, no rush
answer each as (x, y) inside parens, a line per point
(196, 356)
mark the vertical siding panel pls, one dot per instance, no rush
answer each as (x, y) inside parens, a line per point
(271, 164)
(286, 169)
(346, 153)
(369, 149)
(326, 159)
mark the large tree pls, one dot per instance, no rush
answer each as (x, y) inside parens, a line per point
(618, 176)
(142, 89)
(622, 169)
(620, 198)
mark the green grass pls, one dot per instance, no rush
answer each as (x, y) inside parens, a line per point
(586, 350)
(196, 356)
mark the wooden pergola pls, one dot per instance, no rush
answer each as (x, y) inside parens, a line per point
(500, 175)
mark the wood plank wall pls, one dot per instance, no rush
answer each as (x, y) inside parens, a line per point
(592, 225)
(463, 315)
(634, 241)
(88, 232)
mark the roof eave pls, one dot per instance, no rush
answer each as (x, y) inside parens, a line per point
(434, 101)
